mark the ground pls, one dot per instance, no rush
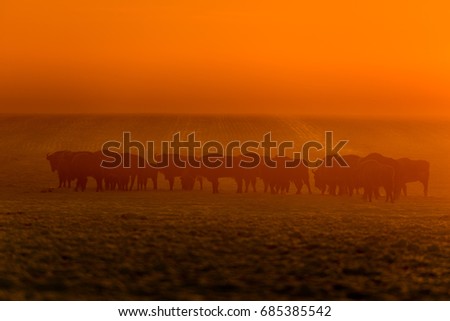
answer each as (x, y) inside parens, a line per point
(159, 245)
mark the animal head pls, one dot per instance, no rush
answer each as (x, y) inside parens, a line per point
(53, 161)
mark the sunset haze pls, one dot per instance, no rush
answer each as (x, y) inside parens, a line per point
(376, 58)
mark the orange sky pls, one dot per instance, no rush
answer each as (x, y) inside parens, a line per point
(316, 57)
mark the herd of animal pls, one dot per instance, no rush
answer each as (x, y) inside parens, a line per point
(370, 174)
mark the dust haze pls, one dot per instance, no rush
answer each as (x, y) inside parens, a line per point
(149, 245)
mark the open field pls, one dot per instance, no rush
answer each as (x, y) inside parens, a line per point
(195, 245)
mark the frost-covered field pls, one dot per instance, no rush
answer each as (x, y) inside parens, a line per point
(195, 245)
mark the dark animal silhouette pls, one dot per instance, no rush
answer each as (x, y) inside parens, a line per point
(398, 172)
(84, 165)
(148, 172)
(415, 171)
(60, 162)
(188, 175)
(249, 173)
(279, 177)
(116, 178)
(132, 168)
(138, 167)
(372, 175)
(338, 180)
(213, 173)
(188, 178)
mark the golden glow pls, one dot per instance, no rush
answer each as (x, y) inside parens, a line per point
(316, 57)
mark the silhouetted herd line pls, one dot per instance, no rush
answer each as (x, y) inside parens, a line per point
(369, 173)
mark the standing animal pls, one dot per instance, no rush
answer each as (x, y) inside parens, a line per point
(136, 168)
(60, 163)
(130, 169)
(188, 178)
(398, 171)
(338, 180)
(230, 166)
(372, 175)
(167, 165)
(285, 170)
(84, 165)
(144, 174)
(415, 171)
(116, 178)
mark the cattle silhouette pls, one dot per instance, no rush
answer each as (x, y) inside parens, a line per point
(131, 169)
(415, 171)
(133, 166)
(116, 178)
(172, 170)
(60, 162)
(372, 175)
(337, 179)
(188, 179)
(230, 167)
(274, 174)
(250, 170)
(284, 171)
(398, 172)
(146, 173)
(84, 165)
